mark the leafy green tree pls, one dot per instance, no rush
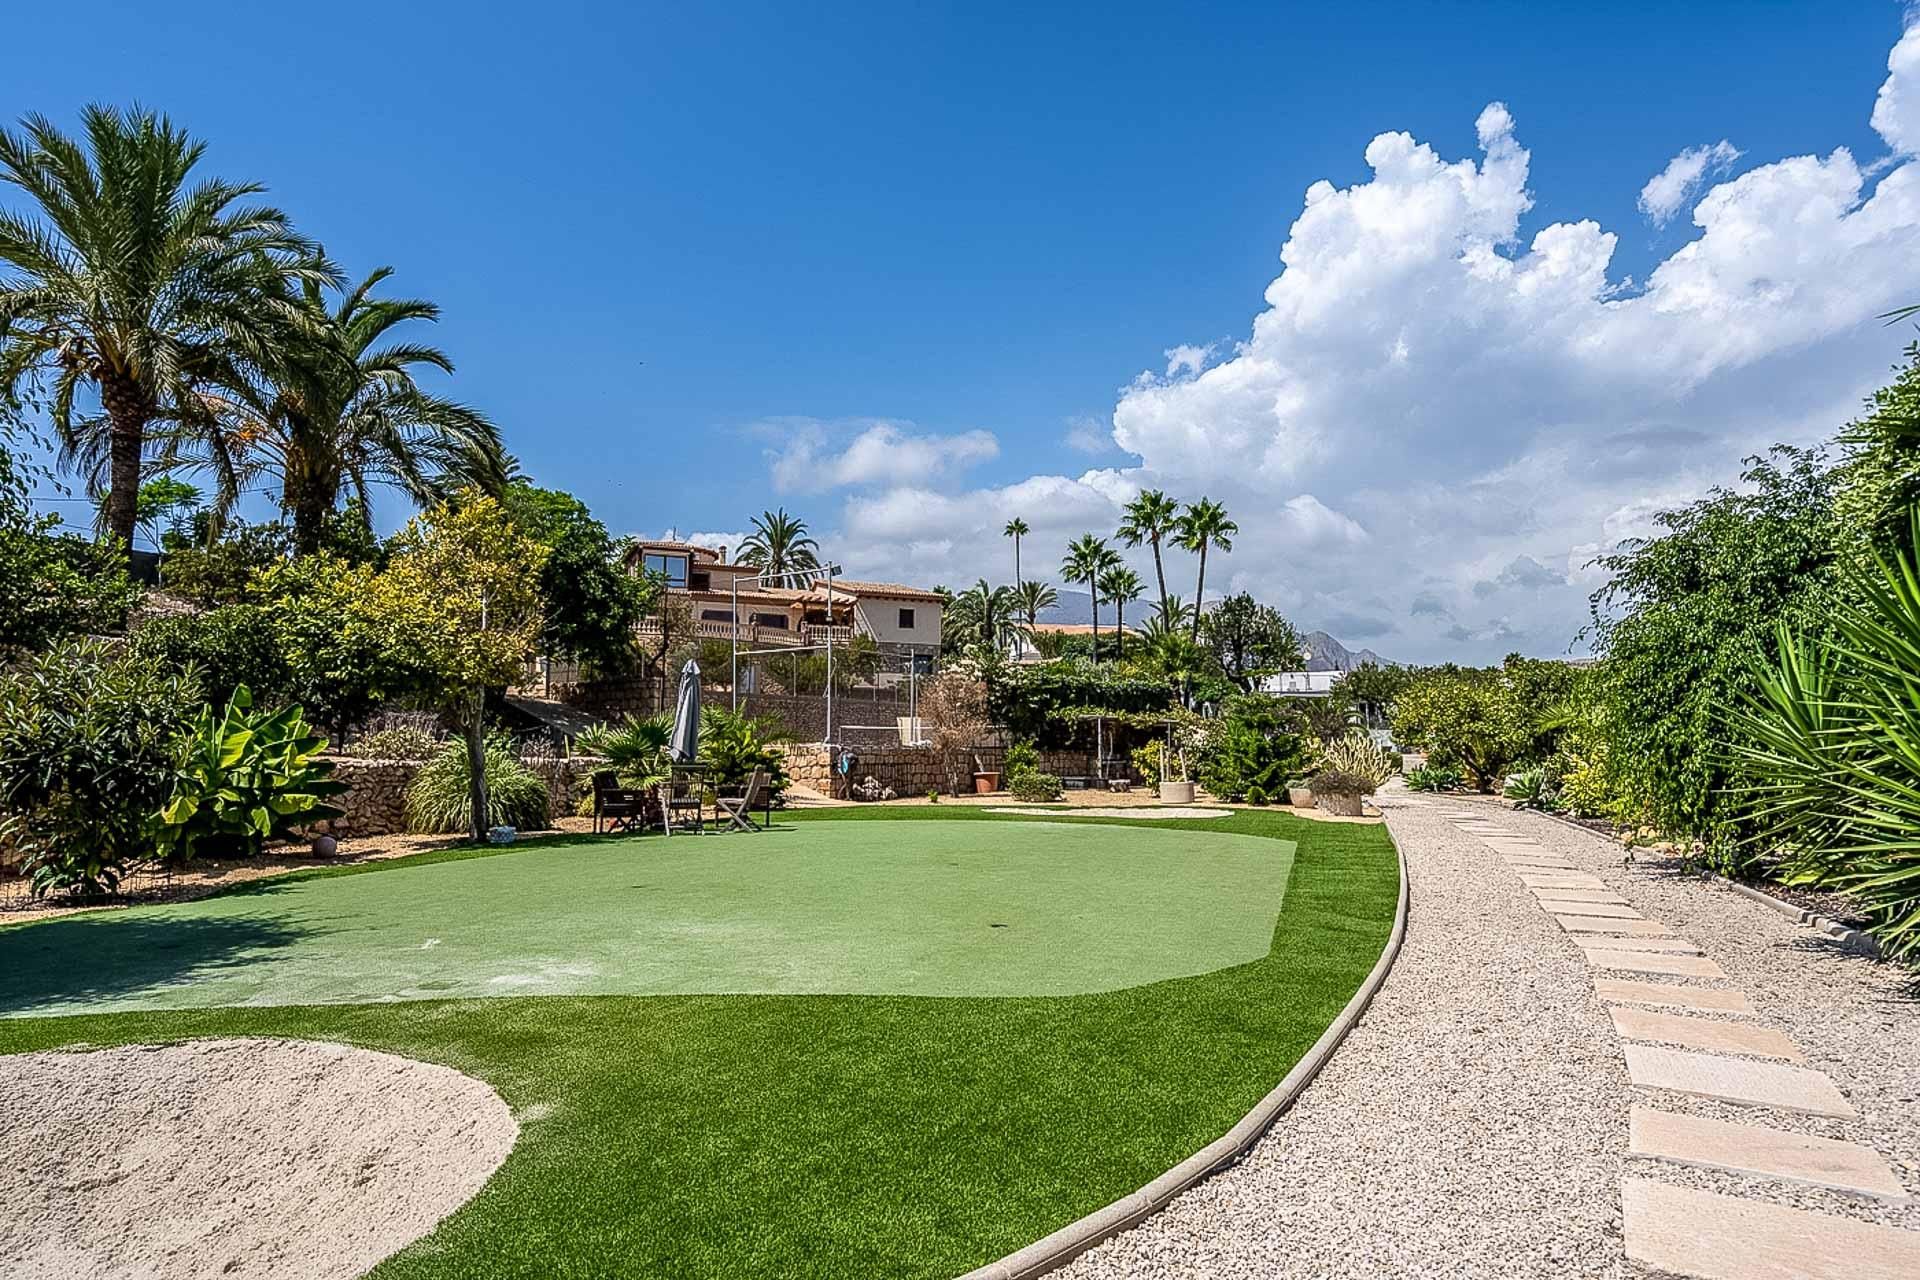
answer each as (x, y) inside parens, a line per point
(1153, 518)
(87, 743)
(137, 283)
(462, 592)
(1688, 616)
(1202, 525)
(779, 544)
(1016, 529)
(339, 410)
(52, 585)
(162, 500)
(1484, 719)
(1878, 480)
(593, 605)
(231, 647)
(1249, 639)
(1371, 688)
(1122, 586)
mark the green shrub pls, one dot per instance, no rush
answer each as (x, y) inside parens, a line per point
(243, 778)
(232, 646)
(1431, 778)
(440, 800)
(1022, 757)
(732, 746)
(1148, 762)
(1034, 787)
(635, 747)
(1240, 757)
(87, 757)
(1256, 796)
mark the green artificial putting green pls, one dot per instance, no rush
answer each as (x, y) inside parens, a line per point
(822, 907)
(832, 1135)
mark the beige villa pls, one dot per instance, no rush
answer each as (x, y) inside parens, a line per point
(899, 619)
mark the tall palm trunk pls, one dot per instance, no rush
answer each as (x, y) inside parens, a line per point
(1160, 577)
(1199, 591)
(1120, 628)
(1093, 595)
(1016, 561)
(129, 409)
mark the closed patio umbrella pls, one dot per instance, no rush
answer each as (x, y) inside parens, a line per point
(684, 745)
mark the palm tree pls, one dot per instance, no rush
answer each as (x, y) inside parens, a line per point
(136, 285)
(1016, 529)
(1122, 586)
(1204, 524)
(991, 614)
(1087, 558)
(1171, 654)
(1152, 517)
(779, 544)
(1035, 595)
(342, 410)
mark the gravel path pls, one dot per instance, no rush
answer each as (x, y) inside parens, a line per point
(1475, 1122)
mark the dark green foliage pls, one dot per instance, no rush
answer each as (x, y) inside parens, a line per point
(1432, 778)
(230, 647)
(1827, 749)
(1370, 690)
(1529, 789)
(1482, 720)
(245, 777)
(1879, 477)
(1034, 702)
(593, 602)
(52, 585)
(732, 746)
(440, 797)
(87, 742)
(222, 570)
(1248, 639)
(635, 747)
(1031, 786)
(1246, 754)
(1687, 619)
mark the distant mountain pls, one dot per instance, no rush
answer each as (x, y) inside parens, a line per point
(1324, 653)
(1075, 607)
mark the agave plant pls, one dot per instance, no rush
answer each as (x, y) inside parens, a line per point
(1829, 750)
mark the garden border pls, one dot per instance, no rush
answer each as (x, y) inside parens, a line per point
(1053, 1251)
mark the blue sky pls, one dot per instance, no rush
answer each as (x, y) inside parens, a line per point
(656, 229)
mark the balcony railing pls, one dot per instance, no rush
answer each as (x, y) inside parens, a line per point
(759, 635)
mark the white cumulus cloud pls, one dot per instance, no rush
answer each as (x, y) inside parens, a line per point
(1669, 189)
(1445, 411)
(809, 459)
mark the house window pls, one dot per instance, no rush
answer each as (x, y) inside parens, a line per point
(715, 615)
(672, 568)
(701, 581)
(778, 621)
(906, 619)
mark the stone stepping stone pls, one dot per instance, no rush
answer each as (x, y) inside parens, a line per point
(1609, 910)
(1613, 942)
(1771, 1153)
(1649, 962)
(1540, 863)
(1716, 1237)
(1715, 998)
(1754, 1084)
(1600, 924)
(1579, 895)
(1703, 1033)
(1561, 880)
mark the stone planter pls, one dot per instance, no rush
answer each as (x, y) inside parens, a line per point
(986, 782)
(1300, 797)
(1339, 803)
(1176, 793)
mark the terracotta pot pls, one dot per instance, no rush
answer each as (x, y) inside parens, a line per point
(1300, 797)
(1340, 803)
(1176, 793)
(986, 783)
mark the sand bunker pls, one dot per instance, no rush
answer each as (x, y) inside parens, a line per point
(237, 1158)
(1118, 811)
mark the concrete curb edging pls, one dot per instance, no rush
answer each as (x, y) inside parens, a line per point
(1061, 1247)
(1847, 936)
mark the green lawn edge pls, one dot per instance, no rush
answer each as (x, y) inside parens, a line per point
(835, 1135)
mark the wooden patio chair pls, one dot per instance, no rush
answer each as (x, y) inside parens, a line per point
(616, 808)
(684, 792)
(739, 809)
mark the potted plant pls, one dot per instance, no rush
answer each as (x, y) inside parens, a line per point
(1175, 790)
(1300, 793)
(1339, 791)
(986, 781)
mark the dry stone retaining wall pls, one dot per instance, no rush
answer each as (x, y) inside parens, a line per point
(376, 796)
(911, 771)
